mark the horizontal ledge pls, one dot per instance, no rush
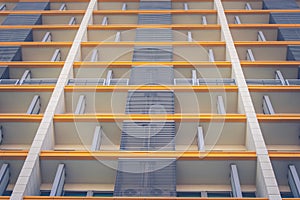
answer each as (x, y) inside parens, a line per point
(21, 64)
(83, 44)
(175, 64)
(26, 88)
(20, 117)
(173, 26)
(118, 88)
(266, 43)
(87, 155)
(241, 11)
(37, 44)
(278, 117)
(284, 155)
(263, 25)
(138, 198)
(44, 12)
(13, 155)
(129, 64)
(176, 117)
(268, 88)
(66, 27)
(139, 0)
(15, 1)
(269, 63)
(122, 12)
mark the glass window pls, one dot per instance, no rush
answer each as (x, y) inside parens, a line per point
(188, 194)
(219, 194)
(74, 193)
(45, 193)
(102, 194)
(287, 195)
(7, 193)
(248, 194)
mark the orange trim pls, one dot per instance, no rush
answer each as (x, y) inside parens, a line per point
(37, 27)
(94, 44)
(278, 117)
(139, 1)
(188, 155)
(76, 26)
(35, 65)
(15, 1)
(259, 11)
(264, 25)
(284, 155)
(26, 88)
(274, 63)
(37, 44)
(137, 198)
(267, 43)
(107, 117)
(32, 63)
(130, 64)
(268, 88)
(126, 12)
(270, 63)
(13, 155)
(151, 87)
(44, 12)
(173, 26)
(17, 117)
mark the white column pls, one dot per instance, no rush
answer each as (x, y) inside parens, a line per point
(266, 183)
(28, 182)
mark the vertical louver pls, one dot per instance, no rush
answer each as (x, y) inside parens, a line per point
(146, 177)
(151, 75)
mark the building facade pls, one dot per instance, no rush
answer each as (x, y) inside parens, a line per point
(163, 99)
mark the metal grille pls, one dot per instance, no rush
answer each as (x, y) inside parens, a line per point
(280, 4)
(288, 34)
(148, 136)
(10, 53)
(4, 73)
(32, 6)
(146, 177)
(154, 19)
(293, 53)
(150, 102)
(284, 18)
(153, 35)
(14, 19)
(151, 75)
(155, 5)
(16, 35)
(153, 53)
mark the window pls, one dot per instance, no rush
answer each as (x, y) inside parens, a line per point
(74, 193)
(7, 193)
(219, 194)
(248, 194)
(188, 194)
(45, 193)
(103, 194)
(286, 195)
